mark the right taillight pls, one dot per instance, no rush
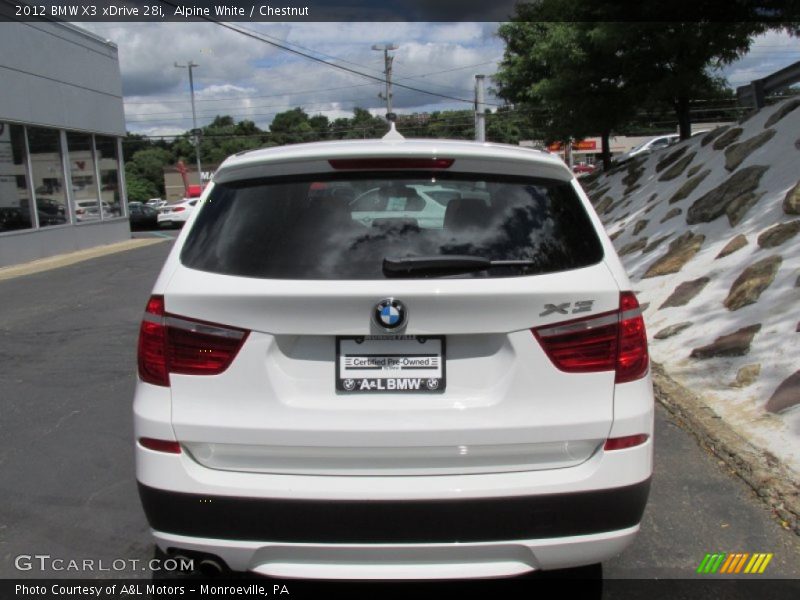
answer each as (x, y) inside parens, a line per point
(174, 344)
(632, 357)
(610, 341)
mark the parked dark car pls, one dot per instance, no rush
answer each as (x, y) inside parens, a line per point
(142, 216)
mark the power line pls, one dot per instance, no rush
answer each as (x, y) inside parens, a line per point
(298, 92)
(210, 112)
(266, 35)
(259, 38)
(432, 120)
(243, 115)
(439, 122)
(309, 107)
(295, 93)
(238, 111)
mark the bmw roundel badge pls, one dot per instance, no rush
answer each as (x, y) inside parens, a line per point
(389, 314)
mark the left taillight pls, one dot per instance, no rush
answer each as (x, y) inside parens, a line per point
(176, 344)
(152, 353)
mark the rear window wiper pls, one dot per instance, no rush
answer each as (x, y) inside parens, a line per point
(444, 264)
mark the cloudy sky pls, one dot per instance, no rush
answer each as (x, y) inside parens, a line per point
(249, 79)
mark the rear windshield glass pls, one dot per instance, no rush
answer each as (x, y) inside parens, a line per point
(338, 227)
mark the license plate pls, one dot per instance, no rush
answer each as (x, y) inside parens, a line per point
(389, 363)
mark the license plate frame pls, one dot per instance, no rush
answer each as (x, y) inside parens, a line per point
(429, 362)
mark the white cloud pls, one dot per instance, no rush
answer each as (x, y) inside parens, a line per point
(769, 53)
(257, 80)
(246, 78)
(148, 53)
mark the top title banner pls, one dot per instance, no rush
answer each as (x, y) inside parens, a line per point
(255, 10)
(383, 10)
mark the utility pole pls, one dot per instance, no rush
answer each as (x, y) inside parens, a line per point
(387, 61)
(195, 131)
(480, 109)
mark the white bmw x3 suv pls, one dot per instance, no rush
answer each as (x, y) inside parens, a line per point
(408, 398)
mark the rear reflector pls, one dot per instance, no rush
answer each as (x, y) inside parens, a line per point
(173, 344)
(391, 163)
(609, 341)
(628, 441)
(161, 445)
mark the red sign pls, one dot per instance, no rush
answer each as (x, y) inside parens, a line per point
(584, 145)
(576, 145)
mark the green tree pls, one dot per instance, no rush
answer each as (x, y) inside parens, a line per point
(138, 188)
(221, 122)
(586, 67)
(183, 149)
(220, 139)
(246, 127)
(453, 124)
(148, 165)
(291, 127)
(133, 142)
(567, 74)
(361, 125)
(321, 127)
(677, 62)
(508, 126)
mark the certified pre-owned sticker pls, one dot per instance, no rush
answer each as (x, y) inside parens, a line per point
(390, 364)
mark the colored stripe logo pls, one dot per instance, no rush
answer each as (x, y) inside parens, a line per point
(735, 563)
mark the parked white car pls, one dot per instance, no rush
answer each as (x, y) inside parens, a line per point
(88, 210)
(657, 143)
(320, 397)
(175, 215)
(156, 203)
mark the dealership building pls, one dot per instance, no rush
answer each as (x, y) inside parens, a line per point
(61, 123)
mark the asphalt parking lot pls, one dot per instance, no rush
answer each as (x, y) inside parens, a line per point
(67, 374)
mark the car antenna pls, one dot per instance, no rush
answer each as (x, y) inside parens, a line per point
(393, 134)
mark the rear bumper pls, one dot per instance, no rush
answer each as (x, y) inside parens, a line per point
(395, 521)
(405, 561)
(386, 527)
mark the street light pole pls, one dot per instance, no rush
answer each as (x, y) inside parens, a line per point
(195, 132)
(480, 110)
(387, 61)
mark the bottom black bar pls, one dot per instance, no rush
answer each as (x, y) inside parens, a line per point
(527, 587)
(417, 521)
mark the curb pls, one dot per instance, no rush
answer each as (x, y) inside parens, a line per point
(773, 482)
(62, 260)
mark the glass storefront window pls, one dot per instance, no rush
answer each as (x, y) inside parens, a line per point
(108, 164)
(84, 186)
(15, 211)
(48, 176)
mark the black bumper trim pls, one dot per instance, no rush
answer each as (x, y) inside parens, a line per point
(394, 521)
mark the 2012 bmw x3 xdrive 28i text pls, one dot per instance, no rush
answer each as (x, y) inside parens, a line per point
(458, 389)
